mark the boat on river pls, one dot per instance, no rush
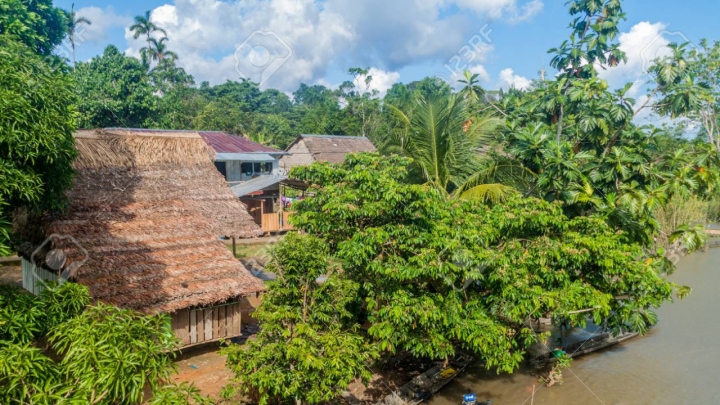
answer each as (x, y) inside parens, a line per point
(423, 386)
(594, 343)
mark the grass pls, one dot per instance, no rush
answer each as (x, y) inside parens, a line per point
(243, 251)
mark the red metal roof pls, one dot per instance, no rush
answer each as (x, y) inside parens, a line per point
(220, 141)
(226, 143)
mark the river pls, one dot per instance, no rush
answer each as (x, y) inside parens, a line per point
(678, 362)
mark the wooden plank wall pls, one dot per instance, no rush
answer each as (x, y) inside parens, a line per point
(201, 325)
(33, 277)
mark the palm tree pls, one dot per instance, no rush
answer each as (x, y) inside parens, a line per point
(143, 26)
(74, 22)
(471, 90)
(157, 51)
(443, 138)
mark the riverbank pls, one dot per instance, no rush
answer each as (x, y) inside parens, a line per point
(675, 363)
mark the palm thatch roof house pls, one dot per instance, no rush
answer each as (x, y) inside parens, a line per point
(142, 232)
(307, 149)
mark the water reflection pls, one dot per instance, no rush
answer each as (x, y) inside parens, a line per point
(678, 362)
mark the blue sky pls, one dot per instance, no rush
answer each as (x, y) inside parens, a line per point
(402, 40)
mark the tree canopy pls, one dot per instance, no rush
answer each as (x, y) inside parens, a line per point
(36, 23)
(37, 119)
(429, 275)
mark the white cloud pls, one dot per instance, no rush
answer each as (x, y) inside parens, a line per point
(103, 20)
(481, 72)
(503, 8)
(205, 34)
(526, 12)
(381, 81)
(341, 33)
(508, 79)
(643, 43)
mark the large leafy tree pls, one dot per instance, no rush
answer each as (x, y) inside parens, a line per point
(308, 350)
(579, 140)
(436, 274)
(36, 23)
(114, 90)
(37, 119)
(688, 86)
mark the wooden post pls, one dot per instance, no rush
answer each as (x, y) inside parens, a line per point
(234, 248)
(282, 206)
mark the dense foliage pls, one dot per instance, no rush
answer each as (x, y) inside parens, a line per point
(36, 23)
(486, 211)
(55, 349)
(37, 119)
(114, 91)
(429, 274)
(582, 146)
(309, 348)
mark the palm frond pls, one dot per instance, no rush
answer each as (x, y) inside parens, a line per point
(488, 193)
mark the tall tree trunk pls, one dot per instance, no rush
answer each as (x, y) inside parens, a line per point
(72, 44)
(560, 123)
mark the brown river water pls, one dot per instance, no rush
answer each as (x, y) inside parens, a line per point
(678, 362)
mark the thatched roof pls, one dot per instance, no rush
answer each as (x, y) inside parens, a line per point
(148, 208)
(333, 148)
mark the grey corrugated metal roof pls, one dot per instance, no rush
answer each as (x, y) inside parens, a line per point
(258, 183)
(246, 157)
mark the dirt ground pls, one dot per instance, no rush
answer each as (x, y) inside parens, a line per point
(205, 367)
(11, 275)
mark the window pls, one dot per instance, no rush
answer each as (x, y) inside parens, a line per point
(249, 168)
(263, 167)
(222, 168)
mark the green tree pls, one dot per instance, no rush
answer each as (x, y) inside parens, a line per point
(471, 90)
(600, 161)
(157, 51)
(36, 23)
(594, 28)
(308, 349)
(37, 119)
(688, 86)
(443, 136)
(88, 354)
(114, 90)
(362, 112)
(438, 274)
(143, 26)
(73, 23)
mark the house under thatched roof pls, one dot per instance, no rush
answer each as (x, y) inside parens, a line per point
(307, 149)
(143, 225)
